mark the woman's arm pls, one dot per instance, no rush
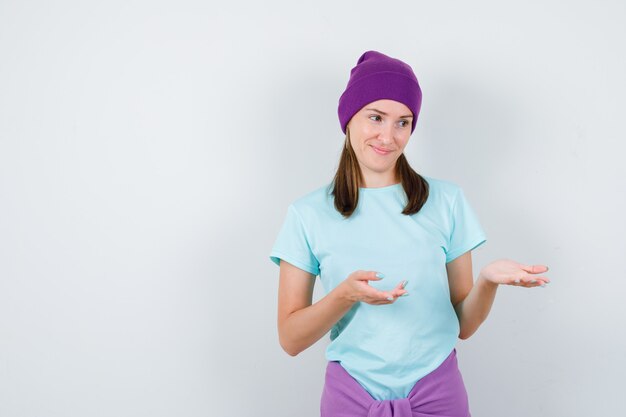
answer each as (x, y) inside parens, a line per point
(472, 303)
(300, 323)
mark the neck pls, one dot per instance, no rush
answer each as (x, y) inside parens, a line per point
(379, 180)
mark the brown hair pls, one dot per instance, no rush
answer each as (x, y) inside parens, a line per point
(348, 179)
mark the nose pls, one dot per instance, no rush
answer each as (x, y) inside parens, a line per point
(386, 134)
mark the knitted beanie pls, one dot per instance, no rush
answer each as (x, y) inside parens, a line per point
(377, 76)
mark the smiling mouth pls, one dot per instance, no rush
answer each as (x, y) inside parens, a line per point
(381, 151)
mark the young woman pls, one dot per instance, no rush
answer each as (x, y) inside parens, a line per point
(393, 251)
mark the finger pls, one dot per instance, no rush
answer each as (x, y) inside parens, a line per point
(519, 280)
(535, 269)
(399, 292)
(396, 295)
(374, 294)
(539, 281)
(370, 276)
(530, 283)
(380, 303)
(390, 298)
(380, 300)
(401, 285)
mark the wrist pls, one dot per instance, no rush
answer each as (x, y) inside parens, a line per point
(481, 280)
(342, 294)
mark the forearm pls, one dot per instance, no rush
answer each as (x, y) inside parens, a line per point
(474, 309)
(304, 327)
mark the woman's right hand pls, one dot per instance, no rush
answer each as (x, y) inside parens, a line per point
(356, 288)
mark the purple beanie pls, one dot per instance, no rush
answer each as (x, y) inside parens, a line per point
(377, 76)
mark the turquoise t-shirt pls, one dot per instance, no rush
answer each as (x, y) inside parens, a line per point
(386, 348)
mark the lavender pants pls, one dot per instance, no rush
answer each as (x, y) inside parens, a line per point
(441, 393)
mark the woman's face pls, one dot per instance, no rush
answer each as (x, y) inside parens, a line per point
(379, 133)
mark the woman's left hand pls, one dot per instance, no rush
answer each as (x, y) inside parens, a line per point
(505, 271)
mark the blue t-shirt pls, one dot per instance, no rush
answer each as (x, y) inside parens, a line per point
(386, 348)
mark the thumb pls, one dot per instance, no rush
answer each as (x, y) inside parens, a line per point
(535, 269)
(373, 276)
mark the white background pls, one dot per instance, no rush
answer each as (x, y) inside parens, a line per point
(149, 150)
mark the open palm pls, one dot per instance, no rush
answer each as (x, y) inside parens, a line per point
(506, 271)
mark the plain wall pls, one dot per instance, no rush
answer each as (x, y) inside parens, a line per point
(149, 151)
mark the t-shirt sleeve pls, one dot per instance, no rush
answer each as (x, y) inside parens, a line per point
(292, 244)
(466, 232)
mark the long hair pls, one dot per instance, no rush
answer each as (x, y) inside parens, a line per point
(348, 179)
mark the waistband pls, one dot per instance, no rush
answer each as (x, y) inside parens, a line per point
(441, 393)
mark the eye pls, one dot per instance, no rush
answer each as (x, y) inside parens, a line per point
(404, 123)
(375, 117)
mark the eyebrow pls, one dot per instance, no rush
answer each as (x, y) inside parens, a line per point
(409, 116)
